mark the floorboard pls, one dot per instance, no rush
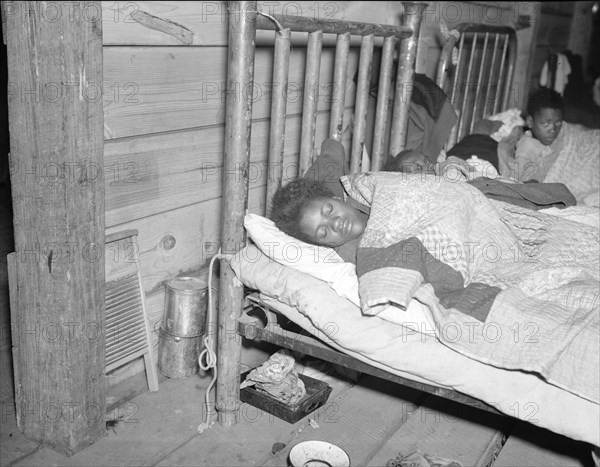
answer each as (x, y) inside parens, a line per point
(531, 446)
(373, 420)
(361, 421)
(449, 430)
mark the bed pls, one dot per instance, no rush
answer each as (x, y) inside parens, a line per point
(404, 347)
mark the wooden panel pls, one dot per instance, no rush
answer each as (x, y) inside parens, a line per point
(449, 430)
(175, 241)
(205, 23)
(538, 59)
(531, 446)
(6, 246)
(554, 31)
(50, 290)
(6, 372)
(558, 8)
(182, 235)
(164, 23)
(139, 182)
(153, 90)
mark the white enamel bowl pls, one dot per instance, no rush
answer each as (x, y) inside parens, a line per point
(318, 454)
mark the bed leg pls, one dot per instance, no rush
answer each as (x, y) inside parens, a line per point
(229, 351)
(240, 75)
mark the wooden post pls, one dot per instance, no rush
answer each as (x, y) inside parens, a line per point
(240, 76)
(406, 70)
(56, 125)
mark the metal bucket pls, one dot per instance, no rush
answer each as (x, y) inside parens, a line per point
(184, 322)
(178, 356)
(185, 307)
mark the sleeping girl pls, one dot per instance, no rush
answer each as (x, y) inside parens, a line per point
(313, 208)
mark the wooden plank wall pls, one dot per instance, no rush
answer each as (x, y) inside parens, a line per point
(553, 33)
(562, 26)
(164, 108)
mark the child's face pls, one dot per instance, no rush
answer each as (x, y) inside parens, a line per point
(414, 162)
(331, 222)
(545, 125)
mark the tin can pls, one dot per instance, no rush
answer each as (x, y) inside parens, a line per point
(185, 307)
(178, 356)
(184, 323)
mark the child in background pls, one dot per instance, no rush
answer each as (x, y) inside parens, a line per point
(452, 169)
(410, 161)
(545, 115)
(536, 151)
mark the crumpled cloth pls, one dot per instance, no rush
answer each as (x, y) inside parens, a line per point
(278, 378)
(419, 459)
(510, 119)
(561, 74)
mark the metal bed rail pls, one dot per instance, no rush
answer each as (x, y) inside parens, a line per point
(310, 345)
(480, 83)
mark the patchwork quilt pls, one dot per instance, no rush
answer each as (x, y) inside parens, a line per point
(577, 164)
(572, 159)
(507, 286)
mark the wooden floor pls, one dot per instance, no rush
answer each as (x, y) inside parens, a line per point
(372, 420)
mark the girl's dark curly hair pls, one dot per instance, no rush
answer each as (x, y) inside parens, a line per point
(289, 201)
(544, 98)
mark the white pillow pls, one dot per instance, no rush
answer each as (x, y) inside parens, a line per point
(318, 261)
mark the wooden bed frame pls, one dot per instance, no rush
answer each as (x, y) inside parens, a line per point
(472, 55)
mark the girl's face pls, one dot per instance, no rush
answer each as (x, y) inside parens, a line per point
(545, 125)
(331, 222)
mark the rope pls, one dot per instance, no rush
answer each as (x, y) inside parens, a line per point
(277, 23)
(208, 353)
(447, 33)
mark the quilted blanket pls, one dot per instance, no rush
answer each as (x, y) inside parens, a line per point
(507, 286)
(577, 163)
(572, 159)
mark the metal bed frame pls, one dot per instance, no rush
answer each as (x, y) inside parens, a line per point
(480, 83)
(233, 303)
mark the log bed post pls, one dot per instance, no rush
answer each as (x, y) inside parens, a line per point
(406, 70)
(240, 76)
(56, 162)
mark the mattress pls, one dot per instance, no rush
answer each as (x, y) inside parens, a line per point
(407, 349)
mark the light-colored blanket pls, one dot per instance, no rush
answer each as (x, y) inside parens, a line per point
(507, 286)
